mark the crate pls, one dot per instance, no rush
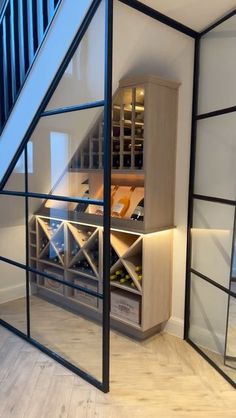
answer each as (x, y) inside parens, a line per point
(51, 284)
(85, 297)
(127, 306)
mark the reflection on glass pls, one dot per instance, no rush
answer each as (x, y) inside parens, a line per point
(83, 80)
(66, 250)
(212, 240)
(62, 329)
(67, 149)
(208, 317)
(217, 87)
(215, 169)
(13, 296)
(12, 226)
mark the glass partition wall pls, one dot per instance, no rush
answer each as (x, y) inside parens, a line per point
(211, 276)
(53, 260)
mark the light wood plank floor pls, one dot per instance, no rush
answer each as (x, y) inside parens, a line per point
(161, 377)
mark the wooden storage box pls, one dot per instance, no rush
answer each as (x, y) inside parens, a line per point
(51, 284)
(85, 297)
(127, 306)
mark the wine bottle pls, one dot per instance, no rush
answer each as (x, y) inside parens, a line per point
(138, 213)
(100, 209)
(125, 279)
(122, 205)
(82, 206)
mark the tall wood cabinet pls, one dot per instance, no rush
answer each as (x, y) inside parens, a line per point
(68, 243)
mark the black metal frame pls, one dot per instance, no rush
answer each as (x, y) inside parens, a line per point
(26, 195)
(193, 197)
(137, 5)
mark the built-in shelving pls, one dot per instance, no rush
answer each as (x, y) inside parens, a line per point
(69, 244)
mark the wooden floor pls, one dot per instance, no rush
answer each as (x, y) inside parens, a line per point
(161, 377)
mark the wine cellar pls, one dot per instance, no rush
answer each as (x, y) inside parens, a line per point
(66, 239)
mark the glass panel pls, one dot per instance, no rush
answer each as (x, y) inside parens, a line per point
(208, 316)
(60, 324)
(16, 181)
(13, 296)
(212, 240)
(83, 80)
(66, 150)
(217, 87)
(215, 170)
(12, 228)
(69, 322)
(230, 348)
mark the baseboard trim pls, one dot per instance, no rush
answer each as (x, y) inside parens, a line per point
(175, 326)
(11, 293)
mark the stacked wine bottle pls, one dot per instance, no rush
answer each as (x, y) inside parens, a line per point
(120, 208)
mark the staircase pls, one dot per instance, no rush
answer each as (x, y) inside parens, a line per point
(23, 26)
(29, 63)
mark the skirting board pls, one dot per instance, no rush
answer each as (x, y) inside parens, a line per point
(175, 326)
(11, 293)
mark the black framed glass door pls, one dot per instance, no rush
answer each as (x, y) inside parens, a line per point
(55, 211)
(210, 300)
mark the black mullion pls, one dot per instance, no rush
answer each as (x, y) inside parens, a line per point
(166, 20)
(191, 185)
(53, 197)
(107, 192)
(218, 112)
(221, 20)
(51, 277)
(214, 199)
(27, 243)
(213, 283)
(69, 109)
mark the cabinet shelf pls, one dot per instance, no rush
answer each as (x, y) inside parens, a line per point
(125, 287)
(82, 273)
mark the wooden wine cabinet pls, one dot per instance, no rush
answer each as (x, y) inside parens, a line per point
(152, 252)
(70, 242)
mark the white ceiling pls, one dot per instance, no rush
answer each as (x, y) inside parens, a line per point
(197, 14)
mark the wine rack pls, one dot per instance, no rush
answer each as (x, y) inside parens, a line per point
(127, 136)
(82, 264)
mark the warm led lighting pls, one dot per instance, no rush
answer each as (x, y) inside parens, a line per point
(125, 231)
(209, 230)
